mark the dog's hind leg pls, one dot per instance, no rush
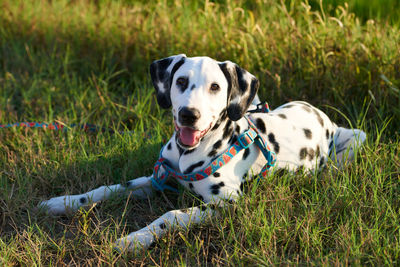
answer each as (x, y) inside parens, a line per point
(183, 218)
(345, 144)
(139, 188)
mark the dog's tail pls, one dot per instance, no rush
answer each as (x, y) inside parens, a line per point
(345, 143)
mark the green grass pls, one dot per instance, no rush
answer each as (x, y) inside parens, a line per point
(386, 11)
(85, 61)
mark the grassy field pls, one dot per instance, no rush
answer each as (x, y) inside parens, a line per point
(87, 61)
(385, 11)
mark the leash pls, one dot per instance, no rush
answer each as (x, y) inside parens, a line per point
(244, 140)
(58, 126)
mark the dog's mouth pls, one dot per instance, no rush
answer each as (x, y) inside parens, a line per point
(188, 136)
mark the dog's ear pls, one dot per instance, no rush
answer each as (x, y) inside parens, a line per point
(162, 71)
(242, 88)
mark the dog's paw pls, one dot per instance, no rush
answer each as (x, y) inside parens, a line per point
(59, 205)
(134, 242)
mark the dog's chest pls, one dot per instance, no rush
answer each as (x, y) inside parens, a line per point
(226, 181)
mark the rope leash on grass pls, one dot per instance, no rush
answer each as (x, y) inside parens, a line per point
(58, 126)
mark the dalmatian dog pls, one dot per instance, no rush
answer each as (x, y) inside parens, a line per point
(209, 102)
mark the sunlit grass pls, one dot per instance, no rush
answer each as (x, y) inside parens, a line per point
(87, 62)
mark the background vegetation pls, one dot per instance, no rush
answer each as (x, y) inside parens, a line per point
(384, 11)
(87, 61)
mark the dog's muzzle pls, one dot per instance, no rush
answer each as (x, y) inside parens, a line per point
(188, 116)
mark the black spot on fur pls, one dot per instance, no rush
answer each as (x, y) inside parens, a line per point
(169, 147)
(216, 125)
(228, 130)
(82, 200)
(317, 151)
(303, 153)
(242, 81)
(311, 154)
(190, 185)
(214, 151)
(233, 139)
(201, 197)
(189, 151)
(271, 138)
(306, 108)
(246, 153)
(320, 120)
(203, 207)
(283, 116)
(321, 161)
(306, 104)
(215, 191)
(260, 125)
(162, 225)
(222, 117)
(307, 133)
(237, 129)
(327, 134)
(193, 86)
(287, 106)
(216, 174)
(330, 145)
(215, 188)
(223, 114)
(242, 185)
(185, 211)
(228, 125)
(193, 166)
(217, 144)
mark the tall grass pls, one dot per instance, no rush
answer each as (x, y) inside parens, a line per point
(384, 11)
(87, 61)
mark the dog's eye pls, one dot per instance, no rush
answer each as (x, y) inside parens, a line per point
(181, 81)
(214, 87)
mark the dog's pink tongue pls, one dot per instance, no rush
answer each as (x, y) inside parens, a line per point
(188, 136)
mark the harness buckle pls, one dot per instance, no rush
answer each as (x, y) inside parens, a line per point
(262, 107)
(246, 139)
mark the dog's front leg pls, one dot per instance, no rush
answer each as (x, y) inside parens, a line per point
(139, 188)
(174, 219)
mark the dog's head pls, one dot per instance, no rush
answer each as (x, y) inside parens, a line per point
(199, 89)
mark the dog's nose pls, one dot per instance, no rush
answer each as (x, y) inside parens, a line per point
(188, 116)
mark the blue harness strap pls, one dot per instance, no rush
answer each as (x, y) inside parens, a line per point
(244, 140)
